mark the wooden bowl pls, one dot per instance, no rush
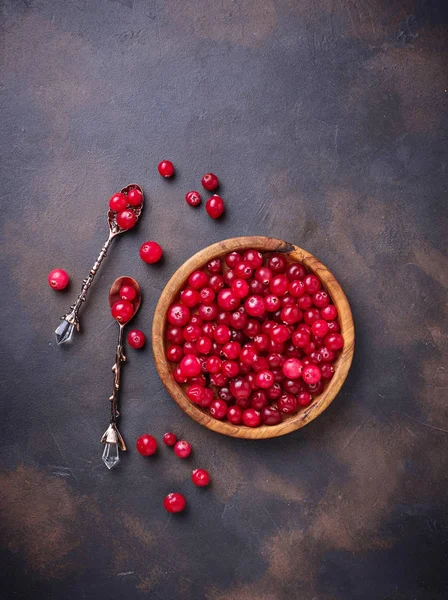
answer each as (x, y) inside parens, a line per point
(295, 254)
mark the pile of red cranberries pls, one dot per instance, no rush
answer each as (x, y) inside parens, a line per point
(124, 205)
(253, 337)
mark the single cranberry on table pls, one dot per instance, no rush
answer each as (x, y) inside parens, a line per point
(200, 477)
(214, 206)
(174, 503)
(166, 168)
(193, 198)
(127, 292)
(136, 339)
(122, 311)
(169, 439)
(146, 445)
(58, 279)
(182, 449)
(118, 202)
(210, 181)
(151, 252)
(126, 219)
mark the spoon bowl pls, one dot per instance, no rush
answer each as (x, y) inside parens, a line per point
(114, 294)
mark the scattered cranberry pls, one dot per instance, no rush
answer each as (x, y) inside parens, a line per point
(169, 439)
(210, 181)
(182, 449)
(193, 198)
(126, 219)
(151, 252)
(118, 202)
(58, 279)
(166, 168)
(135, 197)
(122, 311)
(136, 339)
(214, 206)
(174, 503)
(200, 477)
(146, 445)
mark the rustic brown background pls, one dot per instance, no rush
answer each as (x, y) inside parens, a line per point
(327, 122)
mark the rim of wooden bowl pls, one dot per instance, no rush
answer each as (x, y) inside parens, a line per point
(265, 244)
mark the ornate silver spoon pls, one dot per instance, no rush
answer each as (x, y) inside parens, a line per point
(70, 321)
(112, 438)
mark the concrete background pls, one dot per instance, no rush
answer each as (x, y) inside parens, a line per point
(326, 121)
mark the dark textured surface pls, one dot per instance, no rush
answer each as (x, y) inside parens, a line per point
(327, 122)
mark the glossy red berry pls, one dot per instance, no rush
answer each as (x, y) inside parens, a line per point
(58, 279)
(312, 283)
(334, 341)
(327, 371)
(292, 368)
(240, 388)
(271, 415)
(207, 295)
(228, 300)
(122, 311)
(295, 271)
(258, 399)
(265, 379)
(311, 374)
(254, 258)
(251, 417)
(254, 306)
(291, 314)
(232, 259)
(235, 414)
(277, 263)
(135, 197)
(127, 292)
(279, 333)
(166, 168)
(204, 345)
(329, 313)
(182, 449)
(198, 280)
(193, 198)
(319, 328)
(174, 503)
(304, 398)
(243, 270)
(118, 202)
(214, 266)
(146, 445)
(136, 338)
(218, 409)
(200, 477)
(126, 219)
(151, 252)
(279, 285)
(240, 288)
(231, 350)
(287, 404)
(169, 439)
(190, 365)
(195, 393)
(210, 181)
(297, 289)
(216, 282)
(214, 206)
(321, 299)
(190, 297)
(178, 314)
(174, 353)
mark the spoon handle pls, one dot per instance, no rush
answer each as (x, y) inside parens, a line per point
(119, 358)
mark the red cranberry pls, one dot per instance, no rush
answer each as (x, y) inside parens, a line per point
(166, 168)
(334, 341)
(309, 348)
(271, 415)
(210, 181)
(231, 350)
(200, 477)
(292, 386)
(254, 306)
(190, 297)
(291, 314)
(275, 360)
(174, 353)
(174, 503)
(146, 445)
(295, 271)
(279, 333)
(277, 263)
(329, 313)
(272, 303)
(248, 354)
(292, 368)
(175, 335)
(135, 197)
(136, 339)
(222, 334)
(287, 404)
(214, 266)
(279, 285)
(216, 282)
(240, 288)
(297, 289)
(287, 301)
(179, 376)
(319, 328)
(265, 379)
(304, 302)
(208, 329)
(178, 314)
(333, 327)
(214, 206)
(316, 357)
(321, 299)
(235, 415)
(193, 198)
(256, 287)
(305, 328)
(263, 275)
(311, 374)
(198, 280)
(304, 398)
(243, 402)
(275, 391)
(254, 258)
(58, 279)
(315, 388)
(258, 399)
(204, 345)
(243, 270)
(213, 364)
(195, 393)
(229, 277)
(312, 283)
(251, 417)
(118, 202)
(182, 449)
(190, 365)
(230, 368)
(311, 315)
(208, 312)
(252, 328)
(240, 388)
(227, 299)
(169, 439)
(260, 364)
(192, 333)
(218, 409)
(262, 342)
(126, 219)
(122, 311)
(127, 292)
(328, 356)
(225, 394)
(327, 371)
(218, 379)
(238, 319)
(207, 295)
(232, 259)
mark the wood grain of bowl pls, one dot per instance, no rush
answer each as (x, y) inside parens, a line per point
(295, 254)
